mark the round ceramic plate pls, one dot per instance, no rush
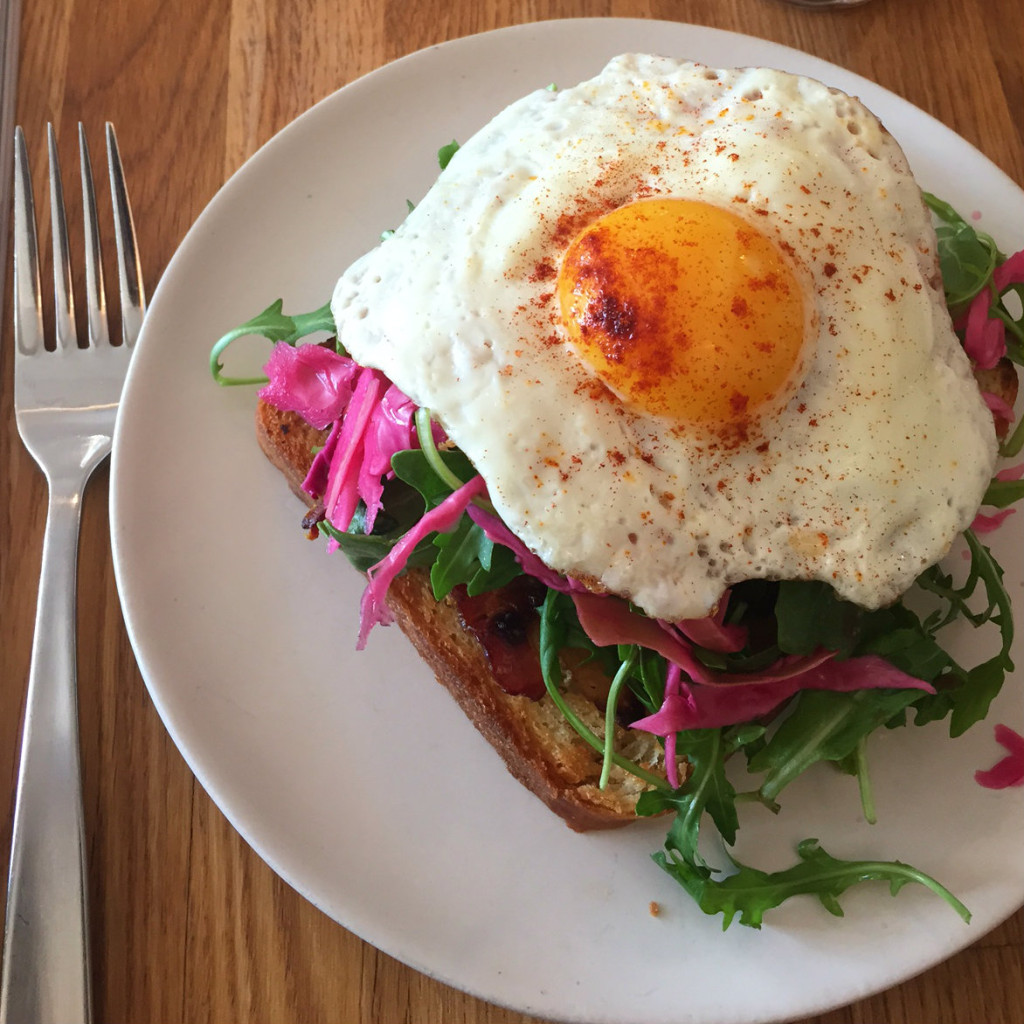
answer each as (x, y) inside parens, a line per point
(354, 775)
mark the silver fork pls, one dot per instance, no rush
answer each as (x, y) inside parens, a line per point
(65, 400)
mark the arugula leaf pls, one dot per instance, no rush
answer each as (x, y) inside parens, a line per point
(967, 257)
(414, 468)
(909, 647)
(273, 325)
(425, 435)
(973, 690)
(459, 556)
(403, 508)
(750, 892)
(366, 550)
(823, 726)
(445, 153)
(810, 616)
(629, 654)
(705, 789)
(467, 556)
(1003, 493)
(1013, 444)
(648, 682)
(502, 568)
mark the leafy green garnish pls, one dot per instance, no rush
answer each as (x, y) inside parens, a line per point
(403, 509)
(468, 556)
(1013, 444)
(967, 257)
(811, 616)
(420, 472)
(445, 153)
(1003, 493)
(273, 325)
(464, 555)
(620, 677)
(424, 434)
(706, 789)
(750, 892)
(823, 726)
(969, 692)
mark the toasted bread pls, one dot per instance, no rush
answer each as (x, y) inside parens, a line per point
(1000, 381)
(539, 747)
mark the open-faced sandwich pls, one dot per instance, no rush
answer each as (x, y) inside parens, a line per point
(644, 424)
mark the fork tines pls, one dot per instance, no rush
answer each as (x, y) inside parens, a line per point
(28, 319)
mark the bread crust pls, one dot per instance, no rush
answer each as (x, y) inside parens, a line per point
(1001, 381)
(536, 743)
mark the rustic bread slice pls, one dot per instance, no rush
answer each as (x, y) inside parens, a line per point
(537, 744)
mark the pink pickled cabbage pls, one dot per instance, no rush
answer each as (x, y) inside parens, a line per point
(984, 522)
(1011, 271)
(372, 610)
(1010, 770)
(726, 698)
(985, 336)
(315, 483)
(342, 495)
(390, 430)
(609, 620)
(712, 633)
(700, 706)
(675, 693)
(367, 430)
(311, 380)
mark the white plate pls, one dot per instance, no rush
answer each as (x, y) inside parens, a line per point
(354, 775)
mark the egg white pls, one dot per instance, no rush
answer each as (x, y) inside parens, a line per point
(878, 456)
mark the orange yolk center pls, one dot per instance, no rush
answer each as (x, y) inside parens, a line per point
(683, 309)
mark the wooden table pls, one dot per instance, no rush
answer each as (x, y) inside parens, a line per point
(187, 923)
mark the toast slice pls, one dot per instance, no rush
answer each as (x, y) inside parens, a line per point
(539, 747)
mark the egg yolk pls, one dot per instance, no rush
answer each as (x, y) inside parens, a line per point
(683, 309)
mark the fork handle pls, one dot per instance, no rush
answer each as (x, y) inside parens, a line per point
(46, 976)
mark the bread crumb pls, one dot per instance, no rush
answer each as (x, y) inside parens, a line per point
(654, 908)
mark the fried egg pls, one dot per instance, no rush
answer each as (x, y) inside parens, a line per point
(688, 325)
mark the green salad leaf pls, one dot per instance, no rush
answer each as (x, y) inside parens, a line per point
(275, 326)
(749, 892)
(403, 508)
(1003, 493)
(467, 556)
(967, 256)
(823, 726)
(445, 153)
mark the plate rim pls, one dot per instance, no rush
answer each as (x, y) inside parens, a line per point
(118, 494)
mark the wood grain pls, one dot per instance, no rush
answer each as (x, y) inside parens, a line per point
(188, 924)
